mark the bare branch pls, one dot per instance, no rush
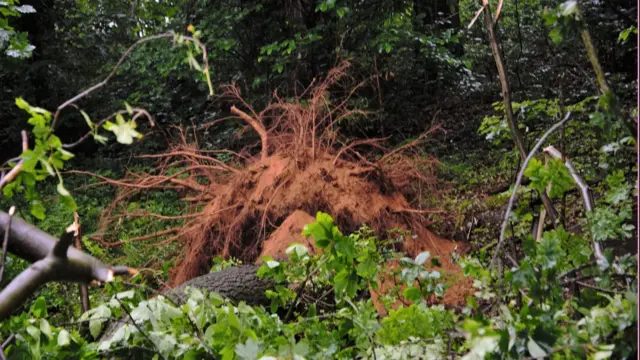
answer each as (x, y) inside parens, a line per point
(40, 248)
(584, 191)
(84, 289)
(169, 35)
(138, 112)
(506, 98)
(16, 169)
(6, 242)
(512, 199)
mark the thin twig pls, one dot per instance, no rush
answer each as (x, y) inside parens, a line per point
(583, 284)
(84, 289)
(104, 82)
(7, 231)
(575, 270)
(172, 301)
(514, 194)
(16, 169)
(124, 308)
(138, 112)
(584, 191)
(301, 287)
(5, 344)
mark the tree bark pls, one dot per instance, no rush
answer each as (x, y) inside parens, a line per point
(238, 283)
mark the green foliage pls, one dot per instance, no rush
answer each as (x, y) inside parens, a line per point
(542, 323)
(19, 46)
(554, 174)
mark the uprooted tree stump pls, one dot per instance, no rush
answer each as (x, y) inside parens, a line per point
(258, 205)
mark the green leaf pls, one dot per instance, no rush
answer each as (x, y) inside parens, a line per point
(125, 131)
(46, 165)
(39, 308)
(69, 202)
(64, 154)
(63, 338)
(62, 191)
(34, 332)
(233, 319)
(535, 350)
(37, 209)
(341, 280)
(45, 328)
(367, 268)
(87, 119)
(549, 252)
(272, 264)
(97, 319)
(412, 293)
(249, 350)
(54, 141)
(101, 139)
(422, 258)
(556, 35)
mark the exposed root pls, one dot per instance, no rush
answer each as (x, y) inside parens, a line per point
(243, 208)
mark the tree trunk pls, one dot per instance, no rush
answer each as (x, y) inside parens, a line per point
(238, 283)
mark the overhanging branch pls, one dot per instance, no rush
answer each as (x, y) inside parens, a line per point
(52, 261)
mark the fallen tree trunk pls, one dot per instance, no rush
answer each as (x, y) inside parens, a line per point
(238, 283)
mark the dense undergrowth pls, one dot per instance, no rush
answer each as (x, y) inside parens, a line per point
(536, 317)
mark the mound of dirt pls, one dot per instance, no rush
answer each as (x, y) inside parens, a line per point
(288, 233)
(457, 286)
